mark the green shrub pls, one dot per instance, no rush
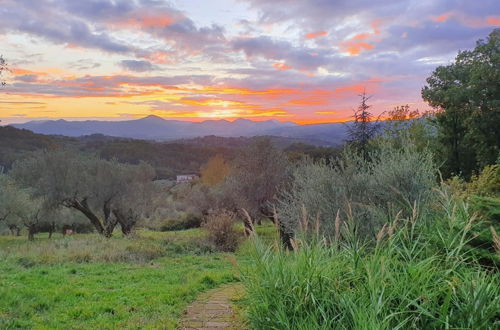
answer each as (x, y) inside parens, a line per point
(482, 193)
(187, 221)
(367, 192)
(221, 232)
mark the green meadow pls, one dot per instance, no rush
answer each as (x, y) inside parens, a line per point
(85, 281)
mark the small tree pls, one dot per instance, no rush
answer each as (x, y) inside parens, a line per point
(215, 171)
(31, 213)
(11, 201)
(363, 128)
(19, 208)
(404, 124)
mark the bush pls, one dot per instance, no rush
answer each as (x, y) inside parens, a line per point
(187, 221)
(220, 227)
(368, 193)
(482, 193)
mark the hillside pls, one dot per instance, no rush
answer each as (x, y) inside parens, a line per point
(169, 158)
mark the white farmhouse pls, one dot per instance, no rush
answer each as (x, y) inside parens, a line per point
(187, 177)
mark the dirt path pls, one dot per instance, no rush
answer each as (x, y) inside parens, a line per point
(214, 309)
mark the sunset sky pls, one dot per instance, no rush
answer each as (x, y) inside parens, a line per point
(291, 60)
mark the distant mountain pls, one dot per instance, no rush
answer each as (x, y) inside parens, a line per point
(157, 128)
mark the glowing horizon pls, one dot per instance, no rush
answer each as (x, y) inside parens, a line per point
(301, 61)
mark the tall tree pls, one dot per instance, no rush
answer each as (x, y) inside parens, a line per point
(257, 175)
(466, 94)
(363, 128)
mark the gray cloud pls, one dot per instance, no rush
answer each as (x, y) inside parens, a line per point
(300, 58)
(137, 66)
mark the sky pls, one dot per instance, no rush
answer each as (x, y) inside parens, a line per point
(287, 60)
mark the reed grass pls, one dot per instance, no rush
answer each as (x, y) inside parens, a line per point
(417, 273)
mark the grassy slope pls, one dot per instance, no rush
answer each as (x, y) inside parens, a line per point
(88, 282)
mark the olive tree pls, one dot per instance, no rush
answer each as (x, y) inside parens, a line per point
(18, 208)
(10, 203)
(258, 172)
(31, 214)
(107, 193)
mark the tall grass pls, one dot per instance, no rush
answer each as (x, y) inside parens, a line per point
(142, 247)
(417, 275)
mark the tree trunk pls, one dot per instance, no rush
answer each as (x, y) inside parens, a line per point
(31, 233)
(248, 223)
(126, 229)
(52, 228)
(110, 227)
(14, 230)
(84, 208)
(126, 222)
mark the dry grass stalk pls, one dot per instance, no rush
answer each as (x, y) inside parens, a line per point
(469, 224)
(337, 225)
(496, 239)
(318, 224)
(381, 233)
(305, 219)
(295, 244)
(414, 212)
(249, 228)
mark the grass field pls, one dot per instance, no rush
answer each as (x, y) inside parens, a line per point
(85, 281)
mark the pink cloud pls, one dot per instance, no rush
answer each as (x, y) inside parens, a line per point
(314, 35)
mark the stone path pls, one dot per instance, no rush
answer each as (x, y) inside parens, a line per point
(214, 309)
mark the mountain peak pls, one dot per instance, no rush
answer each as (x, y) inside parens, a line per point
(152, 118)
(243, 120)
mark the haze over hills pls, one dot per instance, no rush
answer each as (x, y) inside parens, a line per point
(157, 128)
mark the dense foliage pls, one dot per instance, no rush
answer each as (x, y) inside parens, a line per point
(467, 96)
(369, 192)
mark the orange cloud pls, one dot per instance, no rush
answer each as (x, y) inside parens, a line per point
(314, 35)
(474, 22)
(24, 72)
(358, 88)
(160, 57)
(442, 18)
(493, 20)
(282, 66)
(147, 19)
(307, 101)
(326, 112)
(356, 47)
(361, 36)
